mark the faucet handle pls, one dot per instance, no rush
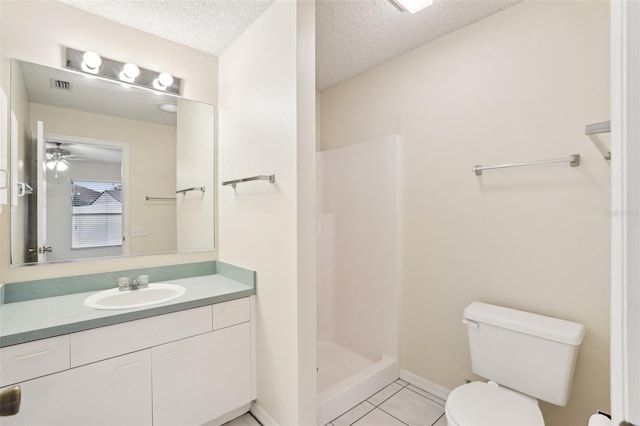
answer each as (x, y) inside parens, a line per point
(123, 283)
(143, 279)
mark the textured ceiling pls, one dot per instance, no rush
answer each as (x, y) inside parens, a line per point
(355, 35)
(352, 35)
(207, 25)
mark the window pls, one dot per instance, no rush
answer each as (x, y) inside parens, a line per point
(96, 219)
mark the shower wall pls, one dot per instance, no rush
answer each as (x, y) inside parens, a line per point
(357, 247)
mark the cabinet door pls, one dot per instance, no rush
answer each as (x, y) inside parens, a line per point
(198, 379)
(111, 392)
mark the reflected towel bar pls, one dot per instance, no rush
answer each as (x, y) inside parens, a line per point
(147, 198)
(270, 178)
(195, 188)
(573, 160)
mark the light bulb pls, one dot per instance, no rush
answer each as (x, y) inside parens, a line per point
(91, 62)
(163, 81)
(51, 164)
(62, 166)
(129, 72)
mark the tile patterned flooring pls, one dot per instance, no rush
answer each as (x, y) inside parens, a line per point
(399, 404)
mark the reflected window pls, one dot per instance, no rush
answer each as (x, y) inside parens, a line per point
(96, 219)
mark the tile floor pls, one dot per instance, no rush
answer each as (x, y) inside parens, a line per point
(399, 404)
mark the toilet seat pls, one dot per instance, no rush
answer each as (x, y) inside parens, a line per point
(487, 404)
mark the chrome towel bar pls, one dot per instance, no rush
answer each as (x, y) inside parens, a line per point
(195, 188)
(270, 178)
(597, 128)
(573, 160)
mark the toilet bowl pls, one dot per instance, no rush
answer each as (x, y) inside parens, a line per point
(488, 404)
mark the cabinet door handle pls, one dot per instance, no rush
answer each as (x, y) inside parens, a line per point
(235, 308)
(33, 355)
(177, 351)
(131, 364)
(10, 401)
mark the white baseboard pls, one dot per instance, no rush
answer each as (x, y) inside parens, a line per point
(229, 416)
(262, 415)
(424, 384)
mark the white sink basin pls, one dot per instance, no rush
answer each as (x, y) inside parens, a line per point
(128, 299)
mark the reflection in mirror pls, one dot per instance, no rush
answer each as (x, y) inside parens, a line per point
(96, 165)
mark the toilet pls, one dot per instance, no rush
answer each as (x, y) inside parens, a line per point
(526, 357)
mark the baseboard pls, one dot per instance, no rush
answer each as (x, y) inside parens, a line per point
(229, 416)
(424, 384)
(262, 415)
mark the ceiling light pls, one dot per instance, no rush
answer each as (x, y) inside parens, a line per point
(129, 72)
(167, 107)
(91, 62)
(163, 81)
(413, 6)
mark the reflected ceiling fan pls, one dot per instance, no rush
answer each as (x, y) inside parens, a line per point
(58, 158)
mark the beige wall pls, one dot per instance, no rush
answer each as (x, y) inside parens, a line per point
(267, 125)
(36, 31)
(151, 171)
(517, 86)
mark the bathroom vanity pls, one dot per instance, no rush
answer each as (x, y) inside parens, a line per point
(189, 361)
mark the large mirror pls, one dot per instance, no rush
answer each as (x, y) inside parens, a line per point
(103, 169)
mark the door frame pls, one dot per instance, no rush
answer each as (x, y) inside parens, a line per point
(625, 209)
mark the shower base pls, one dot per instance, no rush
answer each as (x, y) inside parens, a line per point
(346, 378)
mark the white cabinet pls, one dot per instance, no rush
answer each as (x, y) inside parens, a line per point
(198, 379)
(184, 368)
(111, 392)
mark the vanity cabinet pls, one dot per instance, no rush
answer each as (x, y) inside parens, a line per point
(201, 378)
(184, 368)
(110, 392)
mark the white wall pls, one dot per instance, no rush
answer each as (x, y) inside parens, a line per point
(36, 31)
(267, 125)
(517, 86)
(358, 288)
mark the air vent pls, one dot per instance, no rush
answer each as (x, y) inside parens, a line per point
(60, 84)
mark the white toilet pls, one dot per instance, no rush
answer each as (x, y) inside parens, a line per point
(525, 356)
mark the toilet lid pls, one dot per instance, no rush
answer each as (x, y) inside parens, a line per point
(487, 404)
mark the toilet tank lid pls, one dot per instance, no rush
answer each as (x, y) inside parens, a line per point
(545, 327)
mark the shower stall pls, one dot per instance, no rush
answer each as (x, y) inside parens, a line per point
(358, 300)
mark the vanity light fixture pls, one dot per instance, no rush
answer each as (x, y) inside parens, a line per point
(91, 63)
(413, 6)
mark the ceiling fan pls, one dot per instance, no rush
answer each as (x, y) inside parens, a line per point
(58, 158)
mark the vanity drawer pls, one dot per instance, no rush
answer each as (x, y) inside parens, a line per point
(34, 359)
(230, 313)
(113, 340)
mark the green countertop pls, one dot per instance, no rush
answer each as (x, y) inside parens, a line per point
(41, 318)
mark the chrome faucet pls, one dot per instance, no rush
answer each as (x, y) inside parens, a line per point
(141, 282)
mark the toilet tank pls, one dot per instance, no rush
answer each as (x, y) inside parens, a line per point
(532, 354)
